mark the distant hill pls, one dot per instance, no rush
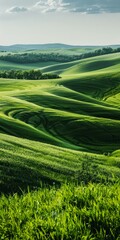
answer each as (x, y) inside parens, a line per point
(24, 47)
(50, 46)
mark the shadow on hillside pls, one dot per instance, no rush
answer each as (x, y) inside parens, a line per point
(21, 178)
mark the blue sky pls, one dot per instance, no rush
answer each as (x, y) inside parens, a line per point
(83, 22)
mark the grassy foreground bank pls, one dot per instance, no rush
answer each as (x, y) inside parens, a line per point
(70, 212)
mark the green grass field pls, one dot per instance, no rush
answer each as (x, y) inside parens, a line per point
(61, 139)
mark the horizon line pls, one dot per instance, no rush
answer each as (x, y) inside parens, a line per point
(52, 43)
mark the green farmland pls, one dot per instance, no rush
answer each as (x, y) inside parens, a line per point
(60, 151)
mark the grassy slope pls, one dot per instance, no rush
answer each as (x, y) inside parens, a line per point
(4, 65)
(80, 111)
(58, 131)
(25, 162)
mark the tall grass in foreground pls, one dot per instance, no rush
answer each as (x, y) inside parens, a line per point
(69, 212)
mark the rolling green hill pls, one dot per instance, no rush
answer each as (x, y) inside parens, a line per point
(4, 65)
(61, 132)
(80, 111)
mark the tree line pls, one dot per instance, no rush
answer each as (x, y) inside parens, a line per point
(25, 58)
(27, 74)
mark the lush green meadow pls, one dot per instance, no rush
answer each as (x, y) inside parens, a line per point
(60, 152)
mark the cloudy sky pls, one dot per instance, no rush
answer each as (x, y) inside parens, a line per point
(83, 22)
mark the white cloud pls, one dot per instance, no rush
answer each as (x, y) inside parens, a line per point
(16, 9)
(51, 6)
(81, 6)
(88, 10)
